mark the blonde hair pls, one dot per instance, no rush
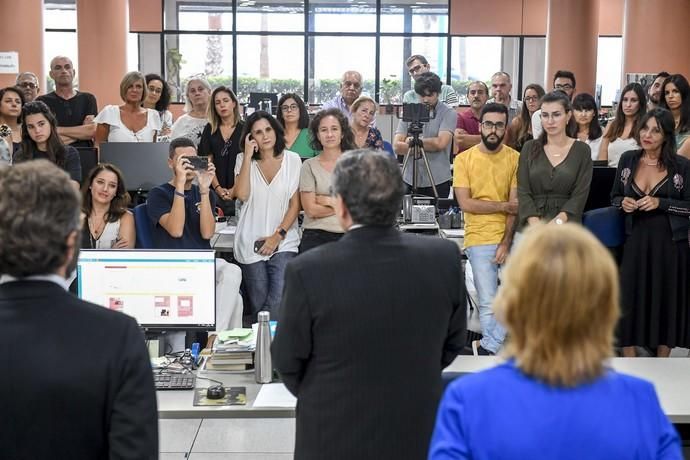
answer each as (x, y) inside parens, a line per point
(559, 302)
(361, 100)
(128, 81)
(211, 114)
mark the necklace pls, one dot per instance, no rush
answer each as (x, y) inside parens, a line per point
(646, 161)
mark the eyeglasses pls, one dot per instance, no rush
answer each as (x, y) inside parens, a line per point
(491, 126)
(28, 84)
(566, 87)
(226, 148)
(288, 108)
(531, 99)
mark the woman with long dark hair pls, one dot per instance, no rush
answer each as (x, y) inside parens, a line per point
(40, 139)
(266, 182)
(586, 127)
(158, 99)
(520, 130)
(331, 134)
(220, 140)
(675, 96)
(11, 103)
(555, 171)
(618, 137)
(294, 118)
(109, 225)
(652, 186)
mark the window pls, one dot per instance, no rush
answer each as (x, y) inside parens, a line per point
(60, 36)
(534, 62)
(338, 16)
(270, 16)
(609, 65)
(421, 17)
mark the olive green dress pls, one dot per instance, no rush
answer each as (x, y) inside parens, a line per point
(545, 190)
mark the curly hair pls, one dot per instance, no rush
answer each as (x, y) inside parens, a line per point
(39, 209)
(347, 142)
(164, 101)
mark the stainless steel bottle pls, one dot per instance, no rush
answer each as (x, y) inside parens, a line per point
(263, 367)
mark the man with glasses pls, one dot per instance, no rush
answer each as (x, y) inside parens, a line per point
(350, 89)
(467, 132)
(485, 185)
(416, 66)
(563, 80)
(28, 83)
(75, 110)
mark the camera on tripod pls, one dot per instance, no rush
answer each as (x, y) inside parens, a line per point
(416, 113)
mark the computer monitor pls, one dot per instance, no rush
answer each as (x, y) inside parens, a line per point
(162, 290)
(144, 164)
(264, 101)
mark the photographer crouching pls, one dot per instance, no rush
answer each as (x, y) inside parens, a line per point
(436, 138)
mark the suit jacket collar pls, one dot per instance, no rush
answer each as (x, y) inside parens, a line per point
(31, 289)
(369, 233)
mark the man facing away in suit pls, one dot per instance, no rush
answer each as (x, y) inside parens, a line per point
(368, 323)
(77, 382)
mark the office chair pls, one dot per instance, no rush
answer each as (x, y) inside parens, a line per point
(144, 230)
(388, 147)
(607, 224)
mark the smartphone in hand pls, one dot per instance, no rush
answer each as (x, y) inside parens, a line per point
(258, 244)
(198, 163)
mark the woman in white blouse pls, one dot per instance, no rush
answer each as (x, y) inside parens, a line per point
(129, 122)
(158, 98)
(197, 98)
(267, 181)
(618, 137)
(586, 127)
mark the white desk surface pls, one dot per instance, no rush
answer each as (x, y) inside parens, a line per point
(670, 376)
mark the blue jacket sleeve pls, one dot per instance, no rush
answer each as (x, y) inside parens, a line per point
(448, 440)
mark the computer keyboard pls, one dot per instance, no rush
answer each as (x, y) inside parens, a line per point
(174, 381)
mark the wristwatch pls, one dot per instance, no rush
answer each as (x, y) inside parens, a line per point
(282, 232)
(559, 221)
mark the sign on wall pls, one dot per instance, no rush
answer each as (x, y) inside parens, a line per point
(9, 62)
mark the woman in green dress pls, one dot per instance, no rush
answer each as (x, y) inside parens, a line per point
(294, 118)
(555, 171)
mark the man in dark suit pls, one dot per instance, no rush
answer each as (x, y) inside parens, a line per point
(76, 379)
(368, 323)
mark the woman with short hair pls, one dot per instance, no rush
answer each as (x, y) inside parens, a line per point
(266, 182)
(586, 127)
(294, 118)
(541, 402)
(197, 98)
(364, 110)
(618, 136)
(331, 134)
(11, 103)
(158, 98)
(128, 122)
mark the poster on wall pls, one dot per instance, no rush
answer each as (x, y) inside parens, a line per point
(644, 79)
(9, 62)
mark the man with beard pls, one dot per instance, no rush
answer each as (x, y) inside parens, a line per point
(78, 383)
(485, 185)
(654, 91)
(467, 133)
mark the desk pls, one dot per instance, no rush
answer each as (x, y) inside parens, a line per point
(224, 236)
(670, 376)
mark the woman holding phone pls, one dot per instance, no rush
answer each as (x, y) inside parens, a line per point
(267, 182)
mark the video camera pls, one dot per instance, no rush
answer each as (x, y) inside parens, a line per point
(416, 113)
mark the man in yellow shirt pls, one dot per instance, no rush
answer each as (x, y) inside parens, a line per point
(485, 185)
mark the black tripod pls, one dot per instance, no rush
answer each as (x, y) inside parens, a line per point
(416, 151)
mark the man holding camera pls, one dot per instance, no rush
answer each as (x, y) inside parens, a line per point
(436, 139)
(182, 217)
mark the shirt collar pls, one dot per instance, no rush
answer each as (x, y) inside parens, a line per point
(53, 278)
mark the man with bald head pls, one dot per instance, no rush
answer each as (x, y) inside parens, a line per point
(74, 110)
(28, 83)
(350, 89)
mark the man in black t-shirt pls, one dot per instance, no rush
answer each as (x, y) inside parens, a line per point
(74, 110)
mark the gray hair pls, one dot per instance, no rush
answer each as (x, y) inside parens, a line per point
(25, 74)
(371, 186)
(204, 82)
(39, 208)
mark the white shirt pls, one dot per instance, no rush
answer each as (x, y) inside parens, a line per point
(618, 147)
(266, 207)
(118, 132)
(189, 127)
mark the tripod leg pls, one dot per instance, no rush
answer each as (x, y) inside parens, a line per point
(428, 171)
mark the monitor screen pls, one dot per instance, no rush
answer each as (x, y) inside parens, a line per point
(162, 290)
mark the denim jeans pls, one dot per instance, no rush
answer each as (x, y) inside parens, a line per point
(485, 272)
(263, 283)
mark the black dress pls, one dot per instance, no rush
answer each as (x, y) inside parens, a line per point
(655, 278)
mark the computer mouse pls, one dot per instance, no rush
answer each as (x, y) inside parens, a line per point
(215, 392)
